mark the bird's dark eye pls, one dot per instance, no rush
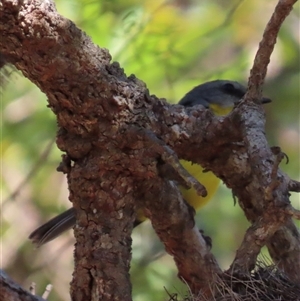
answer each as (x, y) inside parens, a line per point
(229, 87)
(233, 90)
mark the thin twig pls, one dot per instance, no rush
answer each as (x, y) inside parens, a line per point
(31, 173)
(266, 47)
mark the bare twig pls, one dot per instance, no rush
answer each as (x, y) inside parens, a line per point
(266, 47)
(47, 291)
(32, 288)
(293, 212)
(10, 290)
(41, 160)
(294, 186)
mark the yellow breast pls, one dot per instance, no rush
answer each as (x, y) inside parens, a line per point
(208, 179)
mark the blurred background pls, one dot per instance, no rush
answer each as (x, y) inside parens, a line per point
(172, 46)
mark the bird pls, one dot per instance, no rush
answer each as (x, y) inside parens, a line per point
(219, 96)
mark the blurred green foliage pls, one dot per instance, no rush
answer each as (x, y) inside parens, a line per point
(172, 46)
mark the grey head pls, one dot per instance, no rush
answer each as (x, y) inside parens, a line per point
(224, 93)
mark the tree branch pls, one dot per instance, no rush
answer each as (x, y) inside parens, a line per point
(10, 291)
(96, 106)
(266, 47)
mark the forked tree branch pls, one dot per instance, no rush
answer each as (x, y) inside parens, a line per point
(97, 107)
(279, 234)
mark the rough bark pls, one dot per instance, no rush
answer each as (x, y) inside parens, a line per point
(115, 136)
(11, 291)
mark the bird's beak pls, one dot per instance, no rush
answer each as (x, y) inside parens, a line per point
(265, 100)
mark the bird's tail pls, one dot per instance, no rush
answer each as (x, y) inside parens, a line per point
(53, 228)
(56, 226)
